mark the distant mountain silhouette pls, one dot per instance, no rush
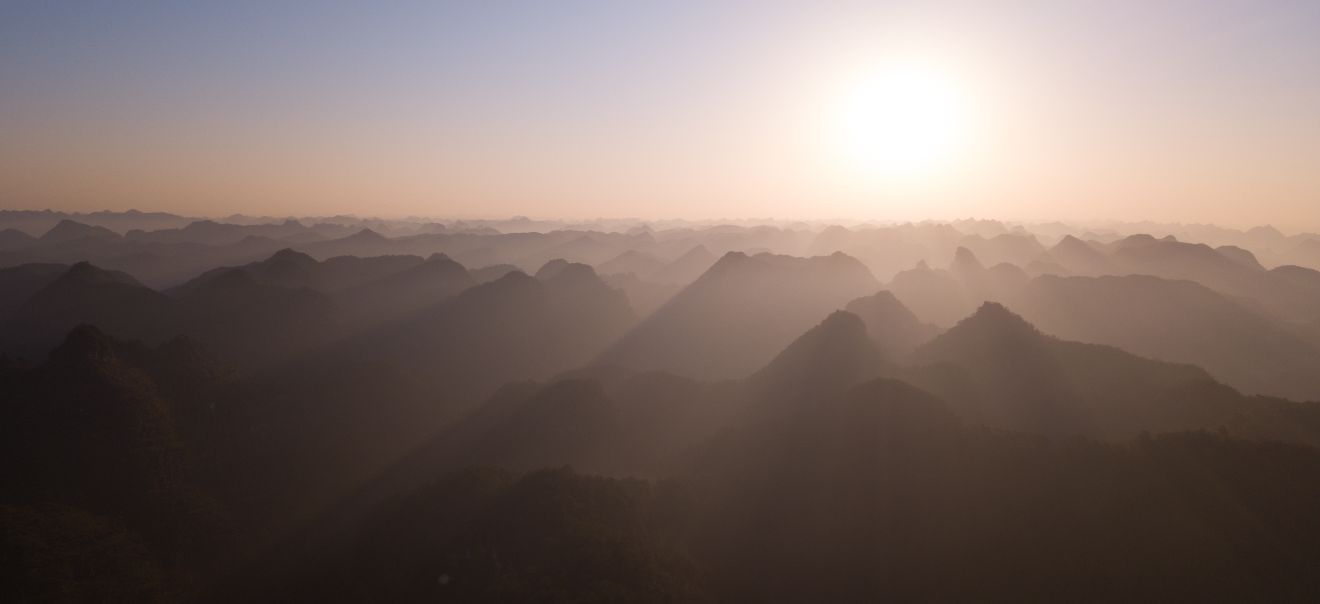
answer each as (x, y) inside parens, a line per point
(210, 232)
(408, 290)
(1177, 321)
(1007, 374)
(113, 301)
(363, 243)
(1229, 270)
(487, 274)
(293, 269)
(247, 321)
(335, 408)
(1079, 257)
(13, 238)
(740, 313)
(1306, 253)
(1016, 249)
(1241, 256)
(944, 296)
(253, 321)
(632, 261)
(645, 296)
(686, 268)
(936, 294)
(18, 283)
(551, 269)
(68, 230)
(892, 325)
(829, 358)
(585, 249)
(406, 377)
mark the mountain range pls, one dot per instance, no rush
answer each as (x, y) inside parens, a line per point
(299, 410)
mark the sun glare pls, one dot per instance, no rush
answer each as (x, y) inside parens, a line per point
(901, 123)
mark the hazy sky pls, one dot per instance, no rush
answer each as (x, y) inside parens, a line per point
(1178, 111)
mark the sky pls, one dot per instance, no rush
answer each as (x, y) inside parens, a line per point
(1202, 111)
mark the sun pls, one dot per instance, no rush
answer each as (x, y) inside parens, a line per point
(902, 122)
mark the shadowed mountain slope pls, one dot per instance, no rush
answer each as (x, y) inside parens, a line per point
(1177, 321)
(891, 324)
(686, 268)
(111, 300)
(740, 313)
(997, 369)
(90, 441)
(411, 289)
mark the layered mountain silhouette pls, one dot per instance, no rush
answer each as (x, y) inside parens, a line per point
(85, 294)
(292, 269)
(434, 280)
(337, 408)
(827, 359)
(1178, 321)
(686, 268)
(1079, 257)
(68, 230)
(943, 296)
(632, 261)
(253, 321)
(392, 385)
(14, 238)
(1001, 371)
(893, 326)
(740, 313)
(19, 283)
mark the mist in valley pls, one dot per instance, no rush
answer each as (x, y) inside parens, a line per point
(598, 302)
(361, 409)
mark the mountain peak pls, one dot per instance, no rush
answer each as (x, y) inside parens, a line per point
(834, 354)
(700, 251)
(994, 317)
(840, 323)
(732, 258)
(686, 268)
(729, 262)
(995, 310)
(291, 256)
(990, 331)
(1267, 231)
(550, 269)
(1240, 256)
(1069, 242)
(69, 230)
(965, 260)
(14, 237)
(367, 235)
(1136, 240)
(891, 324)
(882, 302)
(572, 273)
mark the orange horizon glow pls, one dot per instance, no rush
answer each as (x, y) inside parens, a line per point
(1030, 113)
